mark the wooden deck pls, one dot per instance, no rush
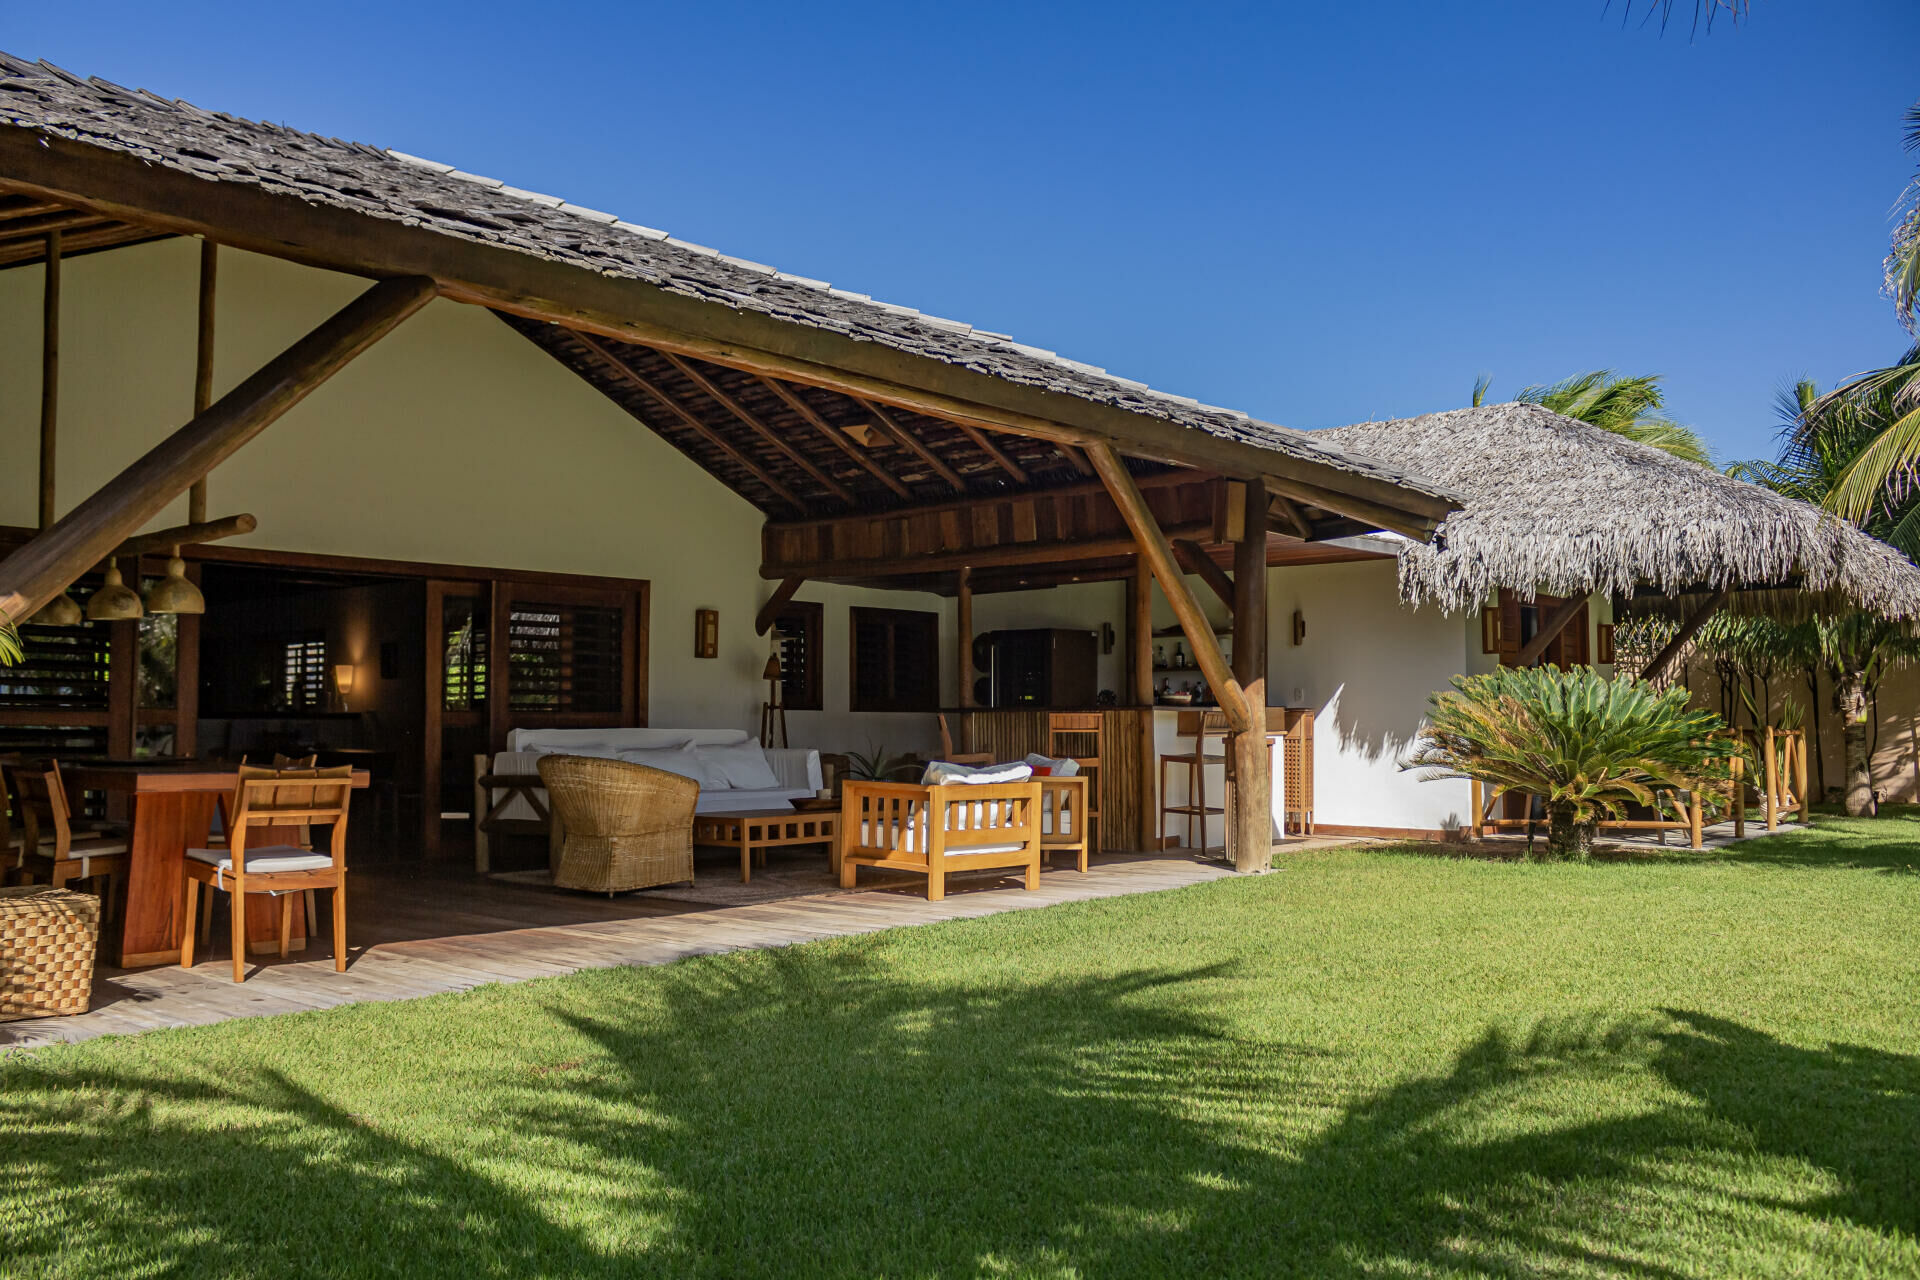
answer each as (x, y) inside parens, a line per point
(421, 931)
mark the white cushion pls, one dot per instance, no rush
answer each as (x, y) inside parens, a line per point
(1056, 766)
(678, 760)
(612, 741)
(944, 773)
(742, 764)
(269, 858)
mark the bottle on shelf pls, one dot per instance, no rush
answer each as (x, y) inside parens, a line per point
(1179, 656)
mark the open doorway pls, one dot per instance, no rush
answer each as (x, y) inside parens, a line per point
(298, 662)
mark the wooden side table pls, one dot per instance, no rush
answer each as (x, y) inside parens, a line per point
(755, 831)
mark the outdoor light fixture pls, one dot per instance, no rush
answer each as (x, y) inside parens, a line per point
(115, 601)
(61, 611)
(174, 593)
(861, 433)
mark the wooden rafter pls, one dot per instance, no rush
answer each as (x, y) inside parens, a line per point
(1664, 659)
(52, 559)
(913, 442)
(624, 370)
(1201, 565)
(1291, 516)
(782, 594)
(838, 437)
(984, 442)
(1077, 459)
(1550, 630)
(759, 428)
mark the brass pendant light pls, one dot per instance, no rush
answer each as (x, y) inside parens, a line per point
(61, 611)
(115, 601)
(174, 593)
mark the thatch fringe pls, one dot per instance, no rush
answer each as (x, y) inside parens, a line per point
(1560, 507)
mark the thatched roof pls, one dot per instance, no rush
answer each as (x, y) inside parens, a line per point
(394, 187)
(1557, 506)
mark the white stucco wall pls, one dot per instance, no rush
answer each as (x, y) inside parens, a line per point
(1367, 666)
(453, 440)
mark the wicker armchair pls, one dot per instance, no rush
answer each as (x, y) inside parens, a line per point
(622, 826)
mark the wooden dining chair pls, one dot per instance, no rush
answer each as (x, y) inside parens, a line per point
(218, 839)
(952, 756)
(275, 798)
(52, 850)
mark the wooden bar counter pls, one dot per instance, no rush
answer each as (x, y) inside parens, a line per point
(172, 806)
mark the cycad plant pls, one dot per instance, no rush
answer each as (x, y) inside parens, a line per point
(1586, 744)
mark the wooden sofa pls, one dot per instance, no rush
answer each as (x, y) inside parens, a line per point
(937, 830)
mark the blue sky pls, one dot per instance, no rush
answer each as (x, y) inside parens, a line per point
(1319, 213)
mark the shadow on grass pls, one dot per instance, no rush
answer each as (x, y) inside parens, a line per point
(1889, 842)
(798, 1112)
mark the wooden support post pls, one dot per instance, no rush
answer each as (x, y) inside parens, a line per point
(782, 594)
(47, 563)
(1550, 631)
(1737, 766)
(1140, 634)
(1476, 807)
(1771, 763)
(203, 368)
(963, 600)
(1664, 659)
(1804, 813)
(49, 385)
(1696, 817)
(1250, 595)
(1251, 821)
(1252, 815)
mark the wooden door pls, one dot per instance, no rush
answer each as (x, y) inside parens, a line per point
(458, 625)
(566, 657)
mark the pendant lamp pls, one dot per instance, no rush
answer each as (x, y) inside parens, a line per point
(115, 601)
(174, 593)
(61, 611)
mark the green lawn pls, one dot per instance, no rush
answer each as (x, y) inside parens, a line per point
(1368, 1063)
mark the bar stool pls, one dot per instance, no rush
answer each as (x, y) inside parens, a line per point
(1211, 724)
(1226, 826)
(1069, 734)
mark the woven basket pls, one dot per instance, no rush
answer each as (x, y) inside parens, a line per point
(47, 941)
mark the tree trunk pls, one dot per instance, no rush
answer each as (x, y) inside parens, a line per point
(1850, 704)
(1567, 838)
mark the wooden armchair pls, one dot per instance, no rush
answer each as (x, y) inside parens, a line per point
(619, 826)
(935, 830)
(1065, 824)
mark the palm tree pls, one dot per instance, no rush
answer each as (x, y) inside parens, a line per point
(1892, 394)
(1630, 407)
(1825, 440)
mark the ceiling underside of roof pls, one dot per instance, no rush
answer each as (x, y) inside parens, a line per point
(26, 222)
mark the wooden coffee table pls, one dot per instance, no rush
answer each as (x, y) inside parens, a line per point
(754, 831)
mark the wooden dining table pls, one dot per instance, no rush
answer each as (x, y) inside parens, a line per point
(172, 804)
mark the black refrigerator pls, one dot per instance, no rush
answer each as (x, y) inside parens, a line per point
(1037, 667)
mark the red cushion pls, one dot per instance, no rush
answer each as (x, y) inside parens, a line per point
(1043, 771)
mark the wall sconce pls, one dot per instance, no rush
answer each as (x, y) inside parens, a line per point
(1106, 637)
(343, 681)
(1299, 627)
(706, 633)
(1603, 645)
(1489, 631)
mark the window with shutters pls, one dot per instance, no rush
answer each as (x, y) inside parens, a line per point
(62, 669)
(463, 669)
(796, 633)
(565, 657)
(303, 673)
(896, 660)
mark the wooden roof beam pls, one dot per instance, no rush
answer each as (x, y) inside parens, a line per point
(782, 594)
(1291, 516)
(913, 443)
(760, 428)
(838, 437)
(624, 371)
(986, 445)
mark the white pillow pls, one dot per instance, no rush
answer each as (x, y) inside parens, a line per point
(942, 773)
(675, 760)
(743, 765)
(1056, 766)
